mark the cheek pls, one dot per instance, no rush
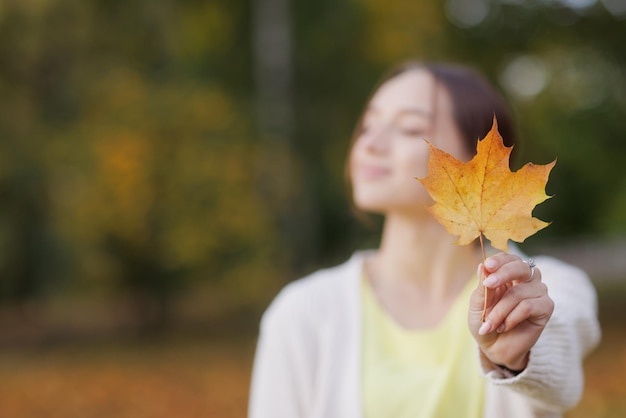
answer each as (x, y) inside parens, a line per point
(418, 167)
(412, 161)
(450, 140)
(353, 158)
(412, 164)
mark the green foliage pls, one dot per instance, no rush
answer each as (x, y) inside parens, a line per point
(131, 161)
(141, 175)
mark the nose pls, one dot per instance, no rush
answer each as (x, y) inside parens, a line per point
(378, 141)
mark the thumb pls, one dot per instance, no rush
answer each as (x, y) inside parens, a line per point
(478, 295)
(476, 306)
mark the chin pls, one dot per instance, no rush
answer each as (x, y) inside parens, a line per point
(383, 206)
(370, 208)
(374, 205)
(370, 202)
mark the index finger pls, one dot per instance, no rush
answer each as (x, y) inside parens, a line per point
(509, 269)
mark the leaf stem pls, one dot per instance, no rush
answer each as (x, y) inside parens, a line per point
(482, 247)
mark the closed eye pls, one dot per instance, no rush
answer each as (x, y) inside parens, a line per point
(413, 132)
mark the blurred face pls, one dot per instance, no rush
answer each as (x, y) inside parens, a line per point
(390, 151)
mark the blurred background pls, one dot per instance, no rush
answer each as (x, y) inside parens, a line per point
(167, 166)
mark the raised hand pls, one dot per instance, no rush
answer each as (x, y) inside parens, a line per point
(518, 309)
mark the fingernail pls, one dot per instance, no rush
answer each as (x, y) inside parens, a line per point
(491, 263)
(484, 328)
(500, 328)
(490, 281)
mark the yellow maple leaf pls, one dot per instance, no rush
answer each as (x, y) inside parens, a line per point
(483, 197)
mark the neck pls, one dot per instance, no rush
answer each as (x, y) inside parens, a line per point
(419, 253)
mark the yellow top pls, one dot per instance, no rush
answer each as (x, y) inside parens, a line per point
(420, 373)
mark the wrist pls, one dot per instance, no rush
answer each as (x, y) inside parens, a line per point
(515, 367)
(510, 372)
(508, 368)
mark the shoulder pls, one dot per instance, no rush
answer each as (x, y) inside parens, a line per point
(575, 302)
(316, 295)
(571, 289)
(564, 279)
(554, 268)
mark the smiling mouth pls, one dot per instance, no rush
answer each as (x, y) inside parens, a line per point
(372, 172)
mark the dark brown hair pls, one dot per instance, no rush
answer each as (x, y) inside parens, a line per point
(474, 101)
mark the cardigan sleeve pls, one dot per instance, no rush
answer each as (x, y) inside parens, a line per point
(279, 384)
(553, 380)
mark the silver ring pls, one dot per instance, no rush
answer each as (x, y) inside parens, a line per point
(532, 265)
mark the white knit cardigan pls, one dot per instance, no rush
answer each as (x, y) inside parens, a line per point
(308, 358)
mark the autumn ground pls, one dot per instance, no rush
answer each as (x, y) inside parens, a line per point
(195, 377)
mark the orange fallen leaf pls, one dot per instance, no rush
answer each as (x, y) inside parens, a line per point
(483, 197)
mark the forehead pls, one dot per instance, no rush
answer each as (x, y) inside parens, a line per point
(413, 89)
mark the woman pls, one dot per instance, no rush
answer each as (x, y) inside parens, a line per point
(397, 332)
